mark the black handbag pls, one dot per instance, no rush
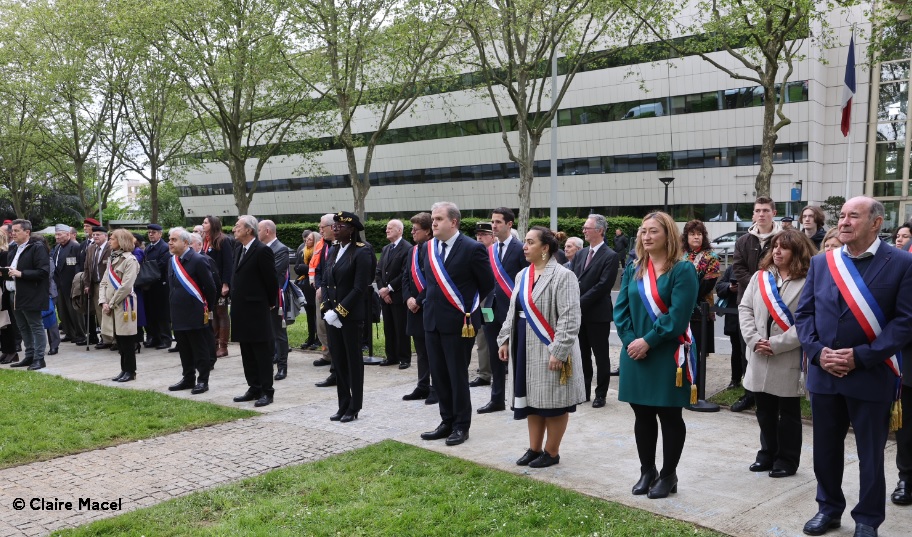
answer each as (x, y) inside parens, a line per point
(149, 273)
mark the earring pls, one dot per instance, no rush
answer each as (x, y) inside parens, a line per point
(544, 256)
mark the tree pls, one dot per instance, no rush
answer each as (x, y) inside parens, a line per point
(169, 210)
(515, 41)
(22, 175)
(370, 54)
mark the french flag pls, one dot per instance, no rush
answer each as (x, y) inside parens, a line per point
(848, 89)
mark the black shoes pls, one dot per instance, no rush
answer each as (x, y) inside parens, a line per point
(388, 362)
(647, 479)
(163, 346)
(248, 396)
(170, 348)
(79, 342)
(201, 387)
(442, 431)
(663, 486)
(415, 395)
(263, 401)
(103, 345)
(36, 365)
(545, 460)
(478, 381)
(118, 377)
(492, 406)
(432, 399)
(746, 402)
(337, 416)
(53, 351)
(598, 402)
(733, 384)
(184, 384)
(903, 493)
(349, 416)
(281, 373)
(127, 377)
(25, 362)
(330, 381)
(458, 436)
(529, 456)
(821, 524)
(863, 530)
(781, 472)
(404, 365)
(320, 362)
(9, 358)
(761, 467)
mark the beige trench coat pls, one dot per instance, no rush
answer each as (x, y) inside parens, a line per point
(780, 373)
(126, 267)
(556, 294)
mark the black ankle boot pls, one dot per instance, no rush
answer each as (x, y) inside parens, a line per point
(663, 487)
(647, 478)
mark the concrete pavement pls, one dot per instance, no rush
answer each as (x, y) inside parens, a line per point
(598, 455)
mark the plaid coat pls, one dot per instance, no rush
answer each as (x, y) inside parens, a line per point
(557, 296)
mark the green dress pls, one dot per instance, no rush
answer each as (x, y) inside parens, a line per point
(651, 381)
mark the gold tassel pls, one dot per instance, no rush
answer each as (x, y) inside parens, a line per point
(467, 329)
(206, 316)
(693, 394)
(566, 371)
(896, 416)
(678, 377)
(125, 317)
(134, 315)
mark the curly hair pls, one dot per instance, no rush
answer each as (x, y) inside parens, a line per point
(694, 226)
(801, 247)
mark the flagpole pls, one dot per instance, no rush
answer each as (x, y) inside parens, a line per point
(848, 164)
(846, 123)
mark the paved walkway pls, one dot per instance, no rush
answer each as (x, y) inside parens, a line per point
(598, 456)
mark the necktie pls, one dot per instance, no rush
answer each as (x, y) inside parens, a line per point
(589, 258)
(443, 246)
(243, 251)
(500, 250)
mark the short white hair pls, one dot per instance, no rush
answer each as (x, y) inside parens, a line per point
(182, 234)
(195, 238)
(397, 224)
(248, 221)
(575, 241)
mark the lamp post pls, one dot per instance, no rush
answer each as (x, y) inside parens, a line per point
(666, 181)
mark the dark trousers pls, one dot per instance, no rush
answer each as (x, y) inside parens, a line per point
(449, 356)
(310, 310)
(593, 339)
(193, 347)
(73, 323)
(8, 337)
(871, 423)
(345, 348)
(646, 431)
(780, 430)
(34, 339)
(904, 437)
(280, 334)
(498, 368)
(743, 347)
(126, 345)
(158, 314)
(737, 359)
(424, 368)
(398, 346)
(256, 357)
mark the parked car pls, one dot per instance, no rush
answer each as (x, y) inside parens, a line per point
(726, 243)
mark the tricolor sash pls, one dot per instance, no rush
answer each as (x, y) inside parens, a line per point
(773, 300)
(282, 298)
(534, 316)
(867, 312)
(117, 283)
(417, 273)
(655, 307)
(449, 289)
(189, 285)
(500, 274)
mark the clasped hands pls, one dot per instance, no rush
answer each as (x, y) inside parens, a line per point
(763, 347)
(837, 362)
(332, 318)
(553, 363)
(637, 349)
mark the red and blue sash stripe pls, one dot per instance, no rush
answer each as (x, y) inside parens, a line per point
(534, 316)
(117, 283)
(500, 274)
(417, 273)
(189, 285)
(449, 289)
(773, 300)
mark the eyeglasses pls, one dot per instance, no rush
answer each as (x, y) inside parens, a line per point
(589, 229)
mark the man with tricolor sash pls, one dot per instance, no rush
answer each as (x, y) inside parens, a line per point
(458, 274)
(854, 317)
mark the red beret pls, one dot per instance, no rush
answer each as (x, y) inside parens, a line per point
(5, 222)
(91, 222)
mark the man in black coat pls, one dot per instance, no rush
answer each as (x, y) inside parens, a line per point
(66, 265)
(596, 268)
(621, 245)
(412, 290)
(158, 311)
(450, 330)
(254, 296)
(95, 268)
(28, 282)
(87, 226)
(192, 292)
(392, 302)
(266, 232)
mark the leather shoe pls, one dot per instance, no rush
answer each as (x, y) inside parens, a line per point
(103, 345)
(79, 342)
(172, 349)
(117, 378)
(281, 373)
(492, 406)
(598, 402)
(404, 365)
(184, 384)
(545, 460)
(821, 524)
(25, 362)
(163, 346)
(127, 377)
(903, 493)
(337, 416)
(761, 467)
(330, 381)
(781, 472)
(432, 399)
(38, 364)
(458, 436)
(7, 358)
(529, 456)
(248, 396)
(319, 362)
(387, 361)
(746, 402)
(263, 401)
(53, 351)
(647, 479)
(415, 395)
(663, 486)
(863, 530)
(349, 416)
(442, 431)
(478, 381)
(201, 387)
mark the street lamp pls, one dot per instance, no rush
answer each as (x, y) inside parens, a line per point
(666, 181)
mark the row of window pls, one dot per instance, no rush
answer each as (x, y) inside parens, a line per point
(669, 160)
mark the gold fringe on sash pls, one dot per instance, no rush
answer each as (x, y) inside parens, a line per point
(693, 394)
(126, 318)
(896, 416)
(205, 315)
(467, 329)
(679, 378)
(566, 370)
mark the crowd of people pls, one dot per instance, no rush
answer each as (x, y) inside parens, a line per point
(540, 306)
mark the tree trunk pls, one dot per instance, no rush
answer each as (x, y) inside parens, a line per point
(239, 186)
(153, 193)
(764, 176)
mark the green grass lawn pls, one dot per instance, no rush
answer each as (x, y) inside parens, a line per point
(297, 334)
(389, 489)
(728, 397)
(45, 416)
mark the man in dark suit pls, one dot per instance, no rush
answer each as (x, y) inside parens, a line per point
(266, 232)
(158, 311)
(318, 262)
(254, 296)
(96, 266)
(621, 245)
(596, 268)
(506, 260)
(192, 294)
(412, 290)
(66, 264)
(450, 329)
(27, 281)
(849, 379)
(87, 226)
(392, 303)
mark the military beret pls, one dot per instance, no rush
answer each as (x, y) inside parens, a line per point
(62, 227)
(91, 222)
(346, 217)
(99, 229)
(788, 219)
(154, 227)
(483, 227)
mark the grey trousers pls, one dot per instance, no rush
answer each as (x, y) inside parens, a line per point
(484, 358)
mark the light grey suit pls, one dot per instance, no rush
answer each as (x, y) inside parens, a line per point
(280, 332)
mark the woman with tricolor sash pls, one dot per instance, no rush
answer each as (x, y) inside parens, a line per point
(774, 356)
(539, 336)
(118, 302)
(658, 360)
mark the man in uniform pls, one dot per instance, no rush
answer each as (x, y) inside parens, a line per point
(87, 226)
(266, 232)
(96, 266)
(65, 257)
(484, 233)
(158, 311)
(392, 303)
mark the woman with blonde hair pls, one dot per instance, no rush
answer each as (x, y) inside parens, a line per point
(657, 295)
(830, 241)
(118, 301)
(8, 352)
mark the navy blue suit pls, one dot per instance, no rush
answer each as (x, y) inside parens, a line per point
(864, 396)
(158, 312)
(449, 353)
(187, 315)
(414, 322)
(513, 261)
